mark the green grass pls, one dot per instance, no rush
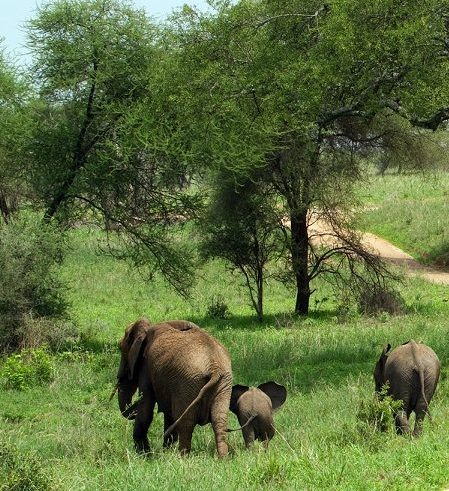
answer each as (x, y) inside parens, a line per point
(411, 211)
(81, 440)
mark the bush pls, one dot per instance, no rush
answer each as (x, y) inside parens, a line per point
(376, 300)
(26, 369)
(218, 309)
(21, 471)
(30, 253)
(57, 334)
(378, 413)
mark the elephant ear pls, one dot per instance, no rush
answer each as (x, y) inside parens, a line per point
(276, 392)
(134, 338)
(237, 391)
(387, 348)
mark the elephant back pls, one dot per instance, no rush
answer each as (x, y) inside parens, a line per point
(403, 368)
(180, 363)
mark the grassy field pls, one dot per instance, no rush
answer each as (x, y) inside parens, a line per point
(68, 433)
(411, 211)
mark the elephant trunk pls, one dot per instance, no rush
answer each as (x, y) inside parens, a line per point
(125, 396)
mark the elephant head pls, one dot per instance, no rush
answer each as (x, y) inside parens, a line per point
(379, 369)
(131, 347)
(254, 409)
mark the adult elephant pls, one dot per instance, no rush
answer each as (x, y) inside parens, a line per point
(185, 371)
(412, 371)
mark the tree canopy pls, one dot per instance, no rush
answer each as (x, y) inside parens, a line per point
(294, 87)
(131, 120)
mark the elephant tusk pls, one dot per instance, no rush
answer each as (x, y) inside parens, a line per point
(113, 392)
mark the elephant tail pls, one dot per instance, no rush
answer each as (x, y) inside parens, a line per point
(243, 426)
(421, 382)
(215, 378)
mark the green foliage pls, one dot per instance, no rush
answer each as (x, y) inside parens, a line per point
(27, 369)
(14, 133)
(218, 308)
(22, 471)
(30, 253)
(378, 413)
(242, 226)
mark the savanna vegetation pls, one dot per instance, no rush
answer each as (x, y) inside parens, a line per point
(183, 170)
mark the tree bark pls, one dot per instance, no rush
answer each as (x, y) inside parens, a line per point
(300, 253)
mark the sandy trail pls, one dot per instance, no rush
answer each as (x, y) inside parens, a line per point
(393, 254)
(389, 253)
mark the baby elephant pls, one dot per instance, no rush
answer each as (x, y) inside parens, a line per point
(254, 409)
(412, 371)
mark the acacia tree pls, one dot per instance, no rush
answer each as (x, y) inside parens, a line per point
(243, 226)
(293, 86)
(99, 145)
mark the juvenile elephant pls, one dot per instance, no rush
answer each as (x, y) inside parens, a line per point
(185, 371)
(412, 371)
(254, 409)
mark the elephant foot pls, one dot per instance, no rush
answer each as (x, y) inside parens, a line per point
(142, 447)
(222, 449)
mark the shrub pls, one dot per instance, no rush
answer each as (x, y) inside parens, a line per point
(378, 413)
(57, 334)
(218, 309)
(377, 300)
(26, 369)
(30, 253)
(21, 471)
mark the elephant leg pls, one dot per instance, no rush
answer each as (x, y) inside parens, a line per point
(185, 431)
(249, 435)
(402, 423)
(420, 411)
(142, 422)
(219, 420)
(267, 434)
(173, 437)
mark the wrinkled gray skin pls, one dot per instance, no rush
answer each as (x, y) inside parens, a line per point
(185, 371)
(254, 409)
(412, 371)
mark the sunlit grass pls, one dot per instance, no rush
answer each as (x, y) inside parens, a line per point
(324, 361)
(411, 211)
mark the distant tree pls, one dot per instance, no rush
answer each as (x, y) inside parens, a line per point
(243, 226)
(293, 87)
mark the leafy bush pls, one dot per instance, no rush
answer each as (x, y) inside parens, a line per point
(26, 369)
(218, 309)
(378, 413)
(21, 472)
(29, 284)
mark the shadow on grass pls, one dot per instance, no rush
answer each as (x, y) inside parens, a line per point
(282, 320)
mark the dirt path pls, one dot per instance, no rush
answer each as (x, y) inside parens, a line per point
(394, 255)
(389, 253)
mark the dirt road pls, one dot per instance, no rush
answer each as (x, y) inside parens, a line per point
(394, 255)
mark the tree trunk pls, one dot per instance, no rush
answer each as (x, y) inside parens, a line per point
(260, 298)
(300, 253)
